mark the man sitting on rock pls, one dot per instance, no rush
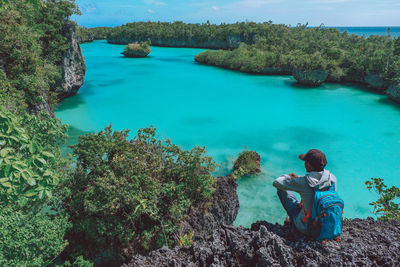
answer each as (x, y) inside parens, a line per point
(314, 162)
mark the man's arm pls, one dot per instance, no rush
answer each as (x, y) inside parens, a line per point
(289, 182)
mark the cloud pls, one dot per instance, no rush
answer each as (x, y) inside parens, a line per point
(154, 2)
(151, 11)
(88, 8)
(215, 8)
(256, 3)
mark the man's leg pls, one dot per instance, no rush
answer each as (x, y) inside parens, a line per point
(289, 202)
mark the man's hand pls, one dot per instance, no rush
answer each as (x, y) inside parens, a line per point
(292, 175)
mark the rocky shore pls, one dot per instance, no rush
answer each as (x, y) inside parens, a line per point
(364, 242)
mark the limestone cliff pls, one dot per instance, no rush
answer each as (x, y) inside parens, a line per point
(73, 66)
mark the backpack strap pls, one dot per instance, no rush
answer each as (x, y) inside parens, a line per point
(307, 215)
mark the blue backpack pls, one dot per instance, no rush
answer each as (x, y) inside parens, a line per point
(326, 214)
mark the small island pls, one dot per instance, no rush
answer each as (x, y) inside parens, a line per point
(139, 50)
(247, 163)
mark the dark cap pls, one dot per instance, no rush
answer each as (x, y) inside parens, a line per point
(315, 158)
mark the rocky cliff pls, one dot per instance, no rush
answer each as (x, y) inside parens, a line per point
(73, 66)
(364, 242)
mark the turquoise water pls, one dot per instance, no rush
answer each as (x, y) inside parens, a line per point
(367, 31)
(227, 111)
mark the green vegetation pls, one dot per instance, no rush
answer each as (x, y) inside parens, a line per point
(131, 196)
(344, 58)
(141, 49)
(31, 167)
(387, 207)
(161, 33)
(247, 163)
(89, 34)
(29, 71)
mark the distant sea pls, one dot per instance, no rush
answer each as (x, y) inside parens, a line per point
(367, 31)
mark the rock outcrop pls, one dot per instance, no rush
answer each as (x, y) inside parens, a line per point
(394, 91)
(248, 163)
(73, 66)
(376, 81)
(310, 77)
(223, 210)
(137, 50)
(363, 243)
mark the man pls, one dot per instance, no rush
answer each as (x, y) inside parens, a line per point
(316, 177)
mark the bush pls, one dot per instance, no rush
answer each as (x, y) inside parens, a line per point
(29, 162)
(30, 240)
(130, 196)
(387, 207)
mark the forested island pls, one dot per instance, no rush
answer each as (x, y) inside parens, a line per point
(312, 55)
(116, 200)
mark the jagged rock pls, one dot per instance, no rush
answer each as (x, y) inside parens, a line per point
(223, 210)
(363, 243)
(394, 92)
(375, 81)
(73, 65)
(248, 163)
(310, 77)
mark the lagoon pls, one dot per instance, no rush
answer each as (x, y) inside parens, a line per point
(227, 111)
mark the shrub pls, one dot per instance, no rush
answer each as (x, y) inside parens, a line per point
(387, 207)
(30, 240)
(130, 196)
(27, 164)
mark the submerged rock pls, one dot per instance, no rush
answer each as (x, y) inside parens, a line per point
(310, 77)
(248, 163)
(375, 81)
(73, 65)
(394, 92)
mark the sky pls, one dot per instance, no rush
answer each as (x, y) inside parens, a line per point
(289, 12)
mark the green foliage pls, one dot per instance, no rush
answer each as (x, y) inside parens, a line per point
(30, 168)
(27, 168)
(32, 42)
(387, 207)
(27, 240)
(131, 196)
(186, 240)
(247, 163)
(280, 49)
(89, 34)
